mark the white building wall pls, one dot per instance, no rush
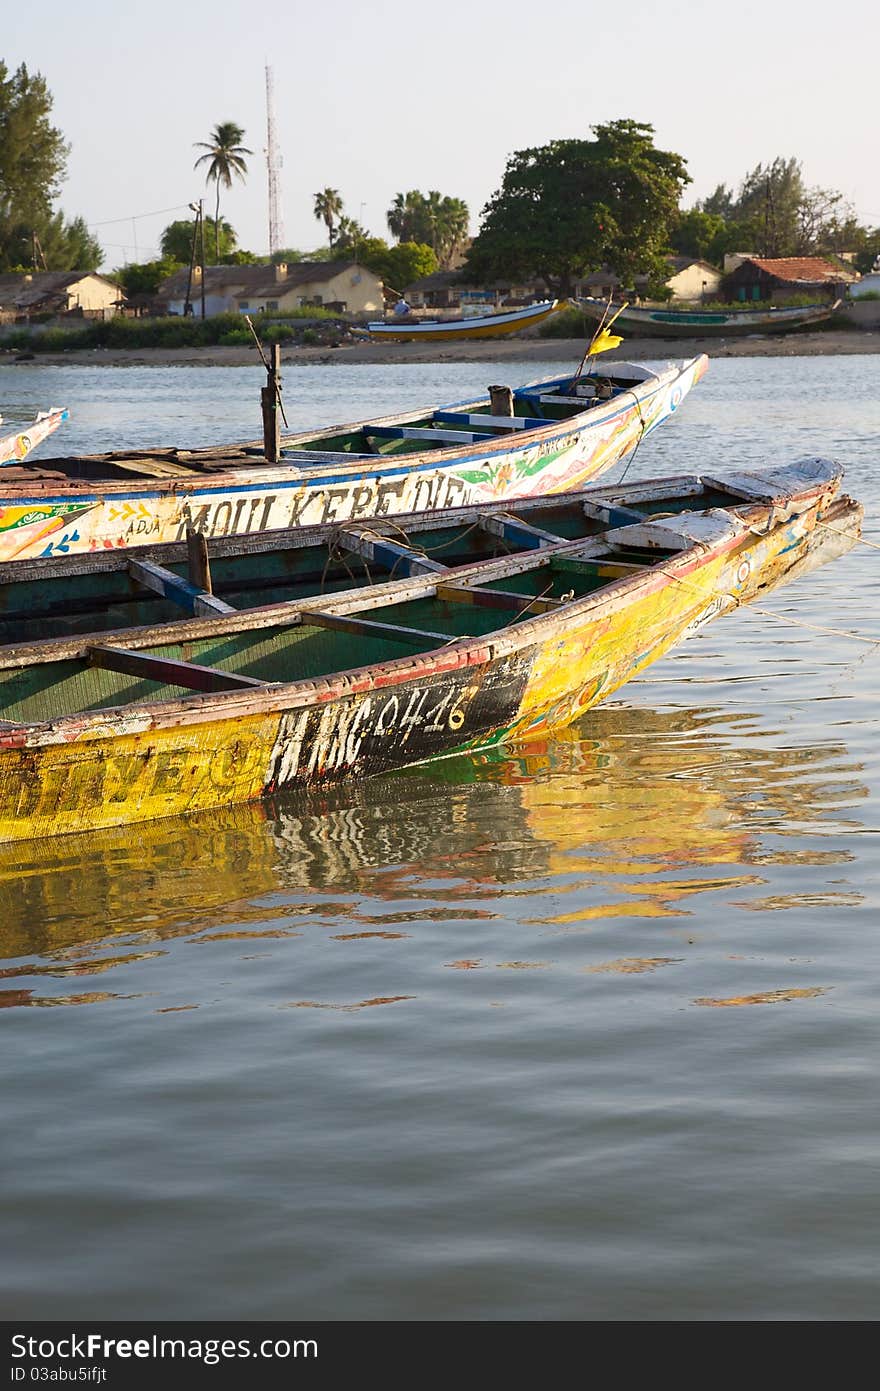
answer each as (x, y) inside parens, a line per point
(694, 282)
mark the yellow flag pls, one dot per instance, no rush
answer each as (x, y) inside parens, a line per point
(603, 341)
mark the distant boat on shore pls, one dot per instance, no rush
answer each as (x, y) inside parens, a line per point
(409, 330)
(702, 323)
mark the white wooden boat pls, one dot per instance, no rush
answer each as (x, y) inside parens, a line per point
(411, 330)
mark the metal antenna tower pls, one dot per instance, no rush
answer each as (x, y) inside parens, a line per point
(273, 164)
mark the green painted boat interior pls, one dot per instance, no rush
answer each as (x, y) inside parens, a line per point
(64, 600)
(84, 600)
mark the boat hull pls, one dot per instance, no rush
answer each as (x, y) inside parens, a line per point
(685, 323)
(462, 330)
(79, 517)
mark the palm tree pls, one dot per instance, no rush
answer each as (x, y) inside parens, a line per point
(328, 209)
(451, 220)
(224, 157)
(405, 217)
(437, 221)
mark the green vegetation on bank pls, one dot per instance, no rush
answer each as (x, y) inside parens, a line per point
(308, 326)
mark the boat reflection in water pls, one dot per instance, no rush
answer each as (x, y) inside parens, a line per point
(635, 819)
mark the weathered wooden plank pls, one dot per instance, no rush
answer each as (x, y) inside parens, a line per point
(154, 468)
(400, 560)
(600, 567)
(366, 627)
(324, 456)
(189, 597)
(168, 672)
(500, 422)
(504, 599)
(410, 432)
(517, 532)
(610, 514)
(197, 560)
(584, 402)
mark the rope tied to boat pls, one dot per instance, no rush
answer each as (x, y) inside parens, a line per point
(748, 606)
(630, 392)
(337, 553)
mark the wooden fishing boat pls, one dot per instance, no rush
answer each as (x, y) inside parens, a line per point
(17, 445)
(561, 433)
(412, 330)
(701, 323)
(482, 625)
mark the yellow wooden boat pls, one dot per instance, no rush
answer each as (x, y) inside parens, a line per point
(335, 652)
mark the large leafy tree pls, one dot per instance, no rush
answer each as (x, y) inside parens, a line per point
(774, 213)
(406, 263)
(437, 221)
(49, 243)
(708, 235)
(33, 161)
(176, 240)
(225, 158)
(572, 206)
(146, 277)
(327, 208)
(768, 205)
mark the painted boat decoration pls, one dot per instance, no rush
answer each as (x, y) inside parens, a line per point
(458, 330)
(18, 445)
(562, 433)
(700, 323)
(500, 625)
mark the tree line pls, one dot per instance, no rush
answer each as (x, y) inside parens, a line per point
(562, 210)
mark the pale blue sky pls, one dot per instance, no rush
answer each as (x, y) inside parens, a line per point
(376, 99)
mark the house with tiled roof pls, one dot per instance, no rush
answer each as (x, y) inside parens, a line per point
(26, 295)
(343, 286)
(783, 277)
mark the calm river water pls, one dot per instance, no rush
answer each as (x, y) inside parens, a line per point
(588, 1032)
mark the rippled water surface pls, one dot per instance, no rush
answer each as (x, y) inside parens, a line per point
(588, 1031)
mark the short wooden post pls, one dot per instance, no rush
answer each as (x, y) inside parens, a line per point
(501, 399)
(197, 559)
(269, 401)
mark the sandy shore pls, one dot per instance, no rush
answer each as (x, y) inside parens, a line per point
(829, 343)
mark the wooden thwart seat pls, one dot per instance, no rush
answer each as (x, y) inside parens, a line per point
(166, 671)
(189, 597)
(412, 432)
(494, 422)
(505, 599)
(367, 627)
(517, 532)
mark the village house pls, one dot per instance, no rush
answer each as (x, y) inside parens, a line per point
(692, 280)
(785, 277)
(343, 286)
(26, 295)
